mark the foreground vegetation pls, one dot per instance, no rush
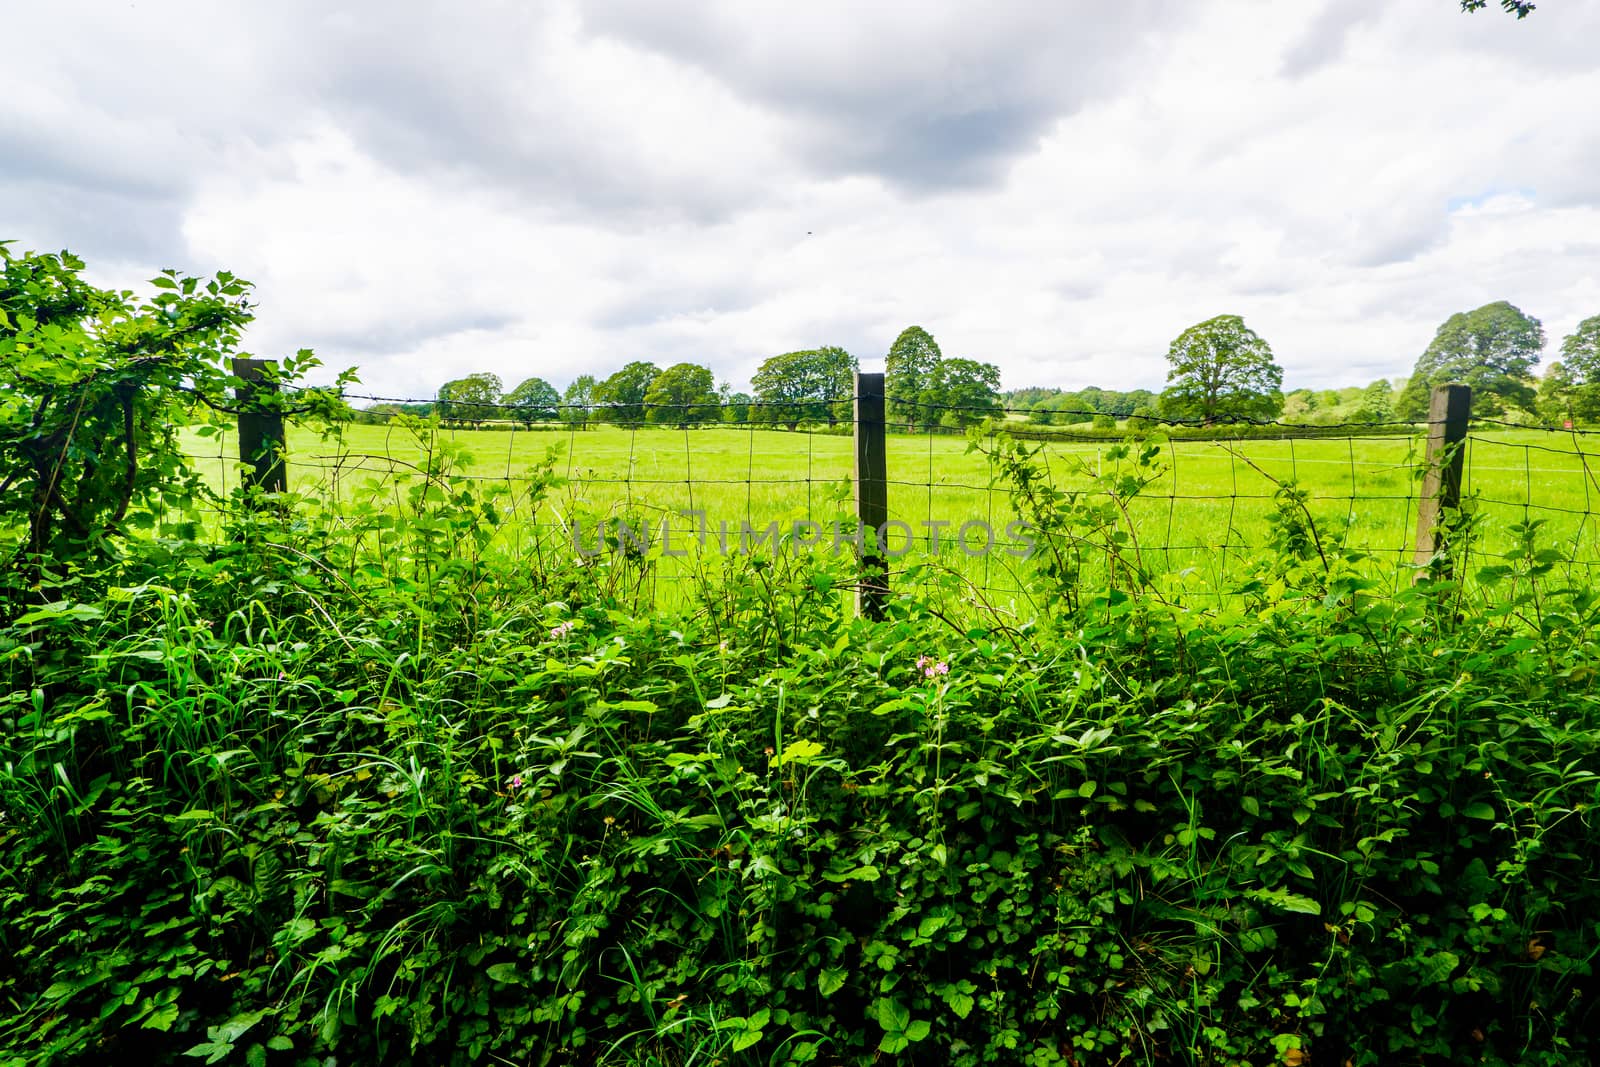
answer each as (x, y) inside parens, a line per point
(342, 779)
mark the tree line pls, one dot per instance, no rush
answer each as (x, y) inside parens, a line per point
(814, 386)
(1219, 371)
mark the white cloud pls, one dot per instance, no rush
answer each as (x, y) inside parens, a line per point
(554, 189)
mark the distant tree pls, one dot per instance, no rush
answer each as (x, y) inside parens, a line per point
(1377, 403)
(535, 400)
(683, 395)
(967, 389)
(1222, 370)
(1570, 389)
(812, 385)
(1028, 397)
(1491, 349)
(622, 395)
(910, 377)
(1040, 414)
(735, 406)
(1519, 8)
(577, 403)
(473, 399)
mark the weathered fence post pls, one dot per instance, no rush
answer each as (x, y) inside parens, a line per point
(261, 437)
(1448, 413)
(872, 493)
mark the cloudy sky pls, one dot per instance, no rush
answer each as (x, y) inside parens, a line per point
(423, 190)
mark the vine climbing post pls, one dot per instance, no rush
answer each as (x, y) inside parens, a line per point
(1449, 411)
(261, 436)
(872, 493)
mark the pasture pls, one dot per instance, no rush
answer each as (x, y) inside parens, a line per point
(1205, 512)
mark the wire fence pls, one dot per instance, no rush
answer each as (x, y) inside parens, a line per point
(674, 489)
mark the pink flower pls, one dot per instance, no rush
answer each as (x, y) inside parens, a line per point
(932, 668)
(558, 632)
(516, 781)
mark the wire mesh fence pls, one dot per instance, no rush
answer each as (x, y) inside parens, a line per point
(673, 489)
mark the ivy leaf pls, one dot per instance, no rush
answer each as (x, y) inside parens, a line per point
(830, 981)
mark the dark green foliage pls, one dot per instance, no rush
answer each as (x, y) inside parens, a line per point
(370, 782)
(685, 394)
(535, 400)
(813, 385)
(621, 397)
(474, 399)
(1222, 371)
(1520, 8)
(910, 380)
(1492, 349)
(966, 391)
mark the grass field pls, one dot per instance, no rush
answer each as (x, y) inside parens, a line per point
(1204, 515)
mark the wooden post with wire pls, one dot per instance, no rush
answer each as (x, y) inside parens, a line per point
(872, 493)
(1449, 412)
(261, 435)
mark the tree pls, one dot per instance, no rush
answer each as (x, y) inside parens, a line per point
(1570, 389)
(909, 376)
(735, 406)
(969, 390)
(623, 393)
(1491, 349)
(683, 395)
(94, 384)
(1377, 403)
(1519, 8)
(1221, 370)
(577, 403)
(1580, 351)
(535, 400)
(474, 399)
(811, 385)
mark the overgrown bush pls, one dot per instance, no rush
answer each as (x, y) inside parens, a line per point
(368, 783)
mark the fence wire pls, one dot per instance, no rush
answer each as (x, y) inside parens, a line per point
(675, 486)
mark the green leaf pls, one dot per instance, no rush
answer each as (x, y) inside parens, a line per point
(1480, 810)
(830, 981)
(504, 973)
(162, 1018)
(1250, 805)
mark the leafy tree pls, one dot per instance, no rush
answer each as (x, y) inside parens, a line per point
(1491, 349)
(811, 385)
(683, 395)
(94, 384)
(1580, 351)
(623, 393)
(535, 400)
(1570, 389)
(1222, 370)
(910, 376)
(969, 389)
(474, 399)
(1377, 403)
(1519, 8)
(577, 403)
(735, 406)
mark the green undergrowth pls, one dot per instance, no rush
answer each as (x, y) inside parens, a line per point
(331, 794)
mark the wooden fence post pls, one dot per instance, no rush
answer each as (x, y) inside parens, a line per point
(1449, 410)
(261, 437)
(872, 493)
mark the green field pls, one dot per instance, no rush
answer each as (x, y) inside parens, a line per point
(1197, 522)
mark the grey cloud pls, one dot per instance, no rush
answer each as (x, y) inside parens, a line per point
(924, 98)
(1325, 38)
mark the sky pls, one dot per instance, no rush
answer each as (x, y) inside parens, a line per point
(551, 188)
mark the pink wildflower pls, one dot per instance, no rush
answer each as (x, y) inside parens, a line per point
(558, 632)
(932, 668)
